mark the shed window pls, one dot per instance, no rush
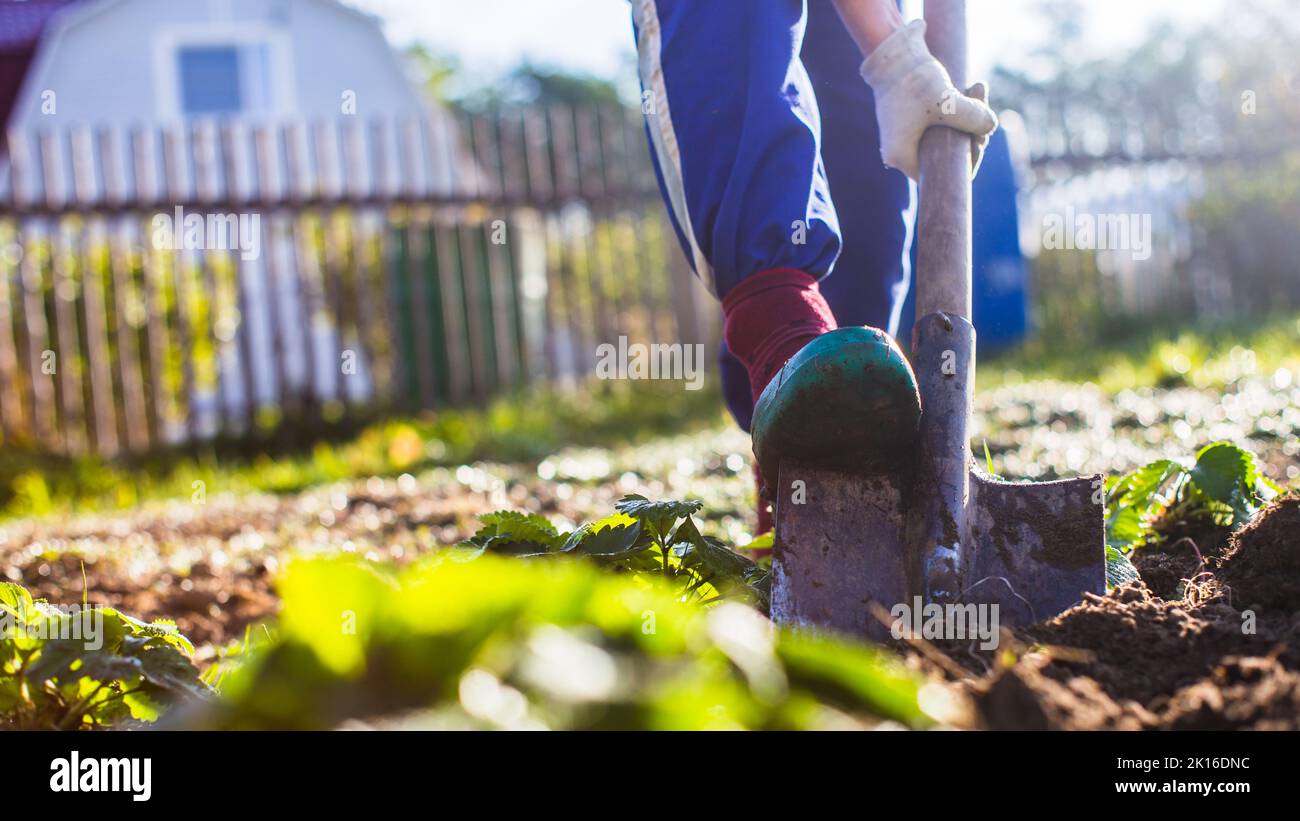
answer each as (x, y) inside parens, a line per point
(221, 79)
(210, 80)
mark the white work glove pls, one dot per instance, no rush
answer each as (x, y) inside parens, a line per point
(913, 92)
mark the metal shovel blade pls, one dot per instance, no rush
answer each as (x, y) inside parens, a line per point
(840, 546)
(932, 530)
(842, 552)
(1038, 546)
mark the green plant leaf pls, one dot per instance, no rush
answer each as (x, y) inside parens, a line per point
(716, 557)
(67, 660)
(1223, 471)
(512, 533)
(1140, 487)
(163, 667)
(512, 547)
(143, 706)
(16, 601)
(1119, 570)
(163, 629)
(1124, 528)
(1230, 475)
(658, 515)
(1134, 497)
(523, 526)
(988, 459)
(608, 539)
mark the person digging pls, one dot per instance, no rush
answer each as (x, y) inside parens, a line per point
(757, 114)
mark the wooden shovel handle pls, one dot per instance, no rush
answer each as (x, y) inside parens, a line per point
(943, 255)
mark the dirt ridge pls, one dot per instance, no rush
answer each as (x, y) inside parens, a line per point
(1209, 638)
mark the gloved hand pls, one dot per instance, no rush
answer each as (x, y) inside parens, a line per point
(913, 92)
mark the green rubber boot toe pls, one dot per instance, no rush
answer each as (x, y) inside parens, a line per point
(847, 400)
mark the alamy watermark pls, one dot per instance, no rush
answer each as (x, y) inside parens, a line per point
(1071, 231)
(70, 622)
(180, 231)
(677, 360)
(133, 776)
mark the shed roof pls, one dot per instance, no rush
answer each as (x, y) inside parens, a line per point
(22, 22)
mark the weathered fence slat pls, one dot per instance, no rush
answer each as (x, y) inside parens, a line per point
(410, 263)
(133, 428)
(89, 237)
(230, 167)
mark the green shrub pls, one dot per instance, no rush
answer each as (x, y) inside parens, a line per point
(86, 667)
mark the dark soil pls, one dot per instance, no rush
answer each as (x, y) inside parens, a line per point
(1179, 554)
(212, 570)
(1261, 569)
(207, 607)
(1209, 638)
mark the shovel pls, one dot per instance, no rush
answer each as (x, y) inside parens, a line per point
(932, 530)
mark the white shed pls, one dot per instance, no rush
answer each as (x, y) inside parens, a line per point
(133, 62)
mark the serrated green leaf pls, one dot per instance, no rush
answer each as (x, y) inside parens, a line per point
(512, 533)
(16, 601)
(1119, 570)
(522, 526)
(66, 660)
(660, 515)
(1134, 497)
(509, 546)
(1140, 487)
(716, 557)
(142, 705)
(163, 629)
(163, 667)
(612, 541)
(1224, 470)
(726, 570)
(1231, 476)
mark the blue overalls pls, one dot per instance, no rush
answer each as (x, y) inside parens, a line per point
(766, 149)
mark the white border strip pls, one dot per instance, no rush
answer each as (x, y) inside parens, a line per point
(662, 135)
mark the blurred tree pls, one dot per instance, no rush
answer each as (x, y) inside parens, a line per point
(1224, 99)
(444, 79)
(528, 84)
(435, 73)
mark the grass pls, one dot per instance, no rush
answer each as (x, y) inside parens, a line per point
(1205, 357)
(521, 428)
(529, 426)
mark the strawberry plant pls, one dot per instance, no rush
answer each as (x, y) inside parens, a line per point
(642, 537)
(500, 643)
(71, 668)
(1222, 485)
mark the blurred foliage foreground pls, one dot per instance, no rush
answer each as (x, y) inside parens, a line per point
(459, 640)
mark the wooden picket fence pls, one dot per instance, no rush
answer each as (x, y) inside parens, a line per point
(323, 270)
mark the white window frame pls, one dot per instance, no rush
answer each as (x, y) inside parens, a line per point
(170, 39)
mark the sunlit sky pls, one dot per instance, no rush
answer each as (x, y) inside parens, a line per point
(594, 36)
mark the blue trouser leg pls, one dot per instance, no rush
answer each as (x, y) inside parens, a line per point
(874, 203)
(736, 135)
(734, 132)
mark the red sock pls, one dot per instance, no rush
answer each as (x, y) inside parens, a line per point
(771, 315)
(768, 317)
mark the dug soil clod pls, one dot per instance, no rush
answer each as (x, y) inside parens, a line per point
(1261, 568)
(1209, 638)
